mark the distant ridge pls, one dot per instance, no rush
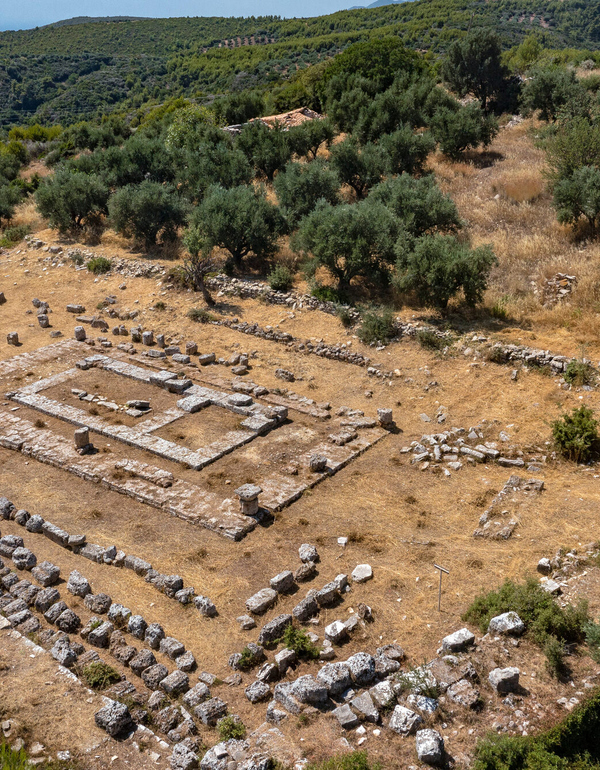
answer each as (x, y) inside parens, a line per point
(92, 20)
(378, 4)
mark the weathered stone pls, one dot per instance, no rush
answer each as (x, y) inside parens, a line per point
(393, 651)
(363, 703)
(205, 606)
(139, 566)
(422, 703)
(504, 680)
(136, 625)
(185, 595)
(385, 666)
(317, 464)
(257, 691)
(507, 623)
(23, 558)
(463, 693)
(335, 677)
(336, 632)
(305, 572)
(346, 717)
(211, 711)
(458, 641)
(100, 636)
(385, 417)
(404, 721)
(63, 653)
(171, 647)
(197, 694)
(246, 622)
(168, 718)
(153, 636)
(306, 609)
(274, 715)
(383, 694)
(544, 567)
(153, 676)
(261, 601)
(12, 338)
(362, 668)
(98, 603)
(362, 573)
(307, 689)
(186, 662)
(54, 611)
(328, 595)
(183, 758)
(68, 621)
(114, 718)
(34, 524)
(54, 533)
(124, 654)
(22, 517)
(175, 683)
(274, 629)
(78, 585)
(284, 659)
(119, 615)
(79, 333)
(46, 598)
(430, 747)
(308, 553)
(283, 582)
(143, 660)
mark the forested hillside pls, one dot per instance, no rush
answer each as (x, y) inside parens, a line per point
(72, 72)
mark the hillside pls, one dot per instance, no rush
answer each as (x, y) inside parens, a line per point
(77, 71)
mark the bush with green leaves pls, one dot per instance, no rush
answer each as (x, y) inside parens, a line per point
(592, 639)
(419, 204)
(578, 197)
(9, 197)
(429, 340)
(541, 614)
(307, 139)
(580, 373)
(301, 185)
(551, 90)
(405, 151)
(459, 129)
(147, 211)
(72, 200)
(199, 315)
(576, 434)
(359, 168)
(231, 728)
(13, 235)
(377, 327)
(554, 650)
(297, 639)
(240, 220)
(473, 65)
(100, 675)
(349, 241)
(267, 149)
(98, 265)
(574, 144)
(437, 267)
(281, 278)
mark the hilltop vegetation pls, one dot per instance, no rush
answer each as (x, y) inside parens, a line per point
(70, 72)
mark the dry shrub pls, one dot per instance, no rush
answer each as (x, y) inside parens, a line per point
(525, 186)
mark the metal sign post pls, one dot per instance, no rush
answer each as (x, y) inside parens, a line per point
(442, 570)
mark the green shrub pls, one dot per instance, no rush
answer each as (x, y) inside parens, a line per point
(419, 680)
(324, 293)
(554, 650)
(429, 340)
(248, 659)
(576, 434)
(77, 257)
(357, 760)
(592, 639)
(99, 675)
(281, 278)
(230, 728)
(296, 639)
(579, 373)
(200, 315)
(13, 235)
(99, 265)
(377, 327)
(539, 612)
(147, 211)
(160, 305)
